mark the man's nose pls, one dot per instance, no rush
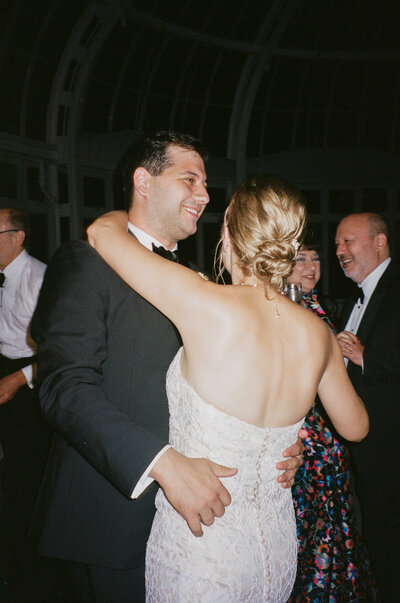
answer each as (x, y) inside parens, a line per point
(201, 194)
(339, 249)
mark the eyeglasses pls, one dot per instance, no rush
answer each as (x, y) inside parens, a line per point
(10, 230)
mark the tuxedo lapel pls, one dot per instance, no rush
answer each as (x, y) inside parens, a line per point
(374, 303)
(370, 313)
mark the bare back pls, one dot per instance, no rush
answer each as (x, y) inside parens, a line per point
(257, 359)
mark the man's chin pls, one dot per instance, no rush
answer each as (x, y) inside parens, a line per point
(186, 232)
(351, 275)
(347, 271)
(191, 230)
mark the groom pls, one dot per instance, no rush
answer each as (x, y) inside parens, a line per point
(103, 353)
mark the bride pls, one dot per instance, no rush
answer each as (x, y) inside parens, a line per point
(250, 367)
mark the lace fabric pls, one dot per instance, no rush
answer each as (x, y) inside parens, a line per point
(250, 553)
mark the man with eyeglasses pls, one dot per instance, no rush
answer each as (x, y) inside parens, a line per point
(23, 433)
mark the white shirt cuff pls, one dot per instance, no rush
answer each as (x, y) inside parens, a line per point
(28, 372)
(145, 480)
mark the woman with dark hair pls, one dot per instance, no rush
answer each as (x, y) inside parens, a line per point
(332, 561)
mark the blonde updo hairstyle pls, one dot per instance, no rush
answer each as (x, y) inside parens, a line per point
(265, 219)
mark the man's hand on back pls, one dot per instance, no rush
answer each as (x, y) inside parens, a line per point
(291, 465)
(192, 487)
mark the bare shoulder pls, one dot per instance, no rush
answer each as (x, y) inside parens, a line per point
(313, 334)
(306, 318)
(208, 301)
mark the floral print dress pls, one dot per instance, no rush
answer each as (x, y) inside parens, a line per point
(333, 565)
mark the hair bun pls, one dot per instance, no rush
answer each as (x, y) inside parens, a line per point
(274, 261)
(265, 219)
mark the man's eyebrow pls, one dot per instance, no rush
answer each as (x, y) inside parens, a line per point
(191, 173)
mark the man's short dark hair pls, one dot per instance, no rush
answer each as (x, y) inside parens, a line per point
(19, 221)
(152, 153)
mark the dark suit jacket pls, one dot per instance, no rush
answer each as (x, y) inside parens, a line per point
(379, 386)
(103, 353)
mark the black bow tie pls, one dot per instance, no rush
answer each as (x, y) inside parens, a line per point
(165, 253)
(174, 256)
(361, 296)
(2, 279)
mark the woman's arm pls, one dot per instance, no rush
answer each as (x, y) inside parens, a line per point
(175, 290)
(339, 398)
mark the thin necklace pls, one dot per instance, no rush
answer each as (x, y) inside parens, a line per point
(263, 288)
(252, 285)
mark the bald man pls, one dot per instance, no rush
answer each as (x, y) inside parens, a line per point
(370, 343)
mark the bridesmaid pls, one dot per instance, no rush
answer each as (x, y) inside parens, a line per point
(333, 565)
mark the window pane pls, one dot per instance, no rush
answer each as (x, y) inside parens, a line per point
(33, 185)
(313, 200)
(63, 196)
(374, 199)
(64, 229)
(8, 180)
(341, 201)
(38, 243)
(93, 192)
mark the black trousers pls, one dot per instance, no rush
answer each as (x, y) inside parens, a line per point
(381, 534)
(95, 584)
(25, 439)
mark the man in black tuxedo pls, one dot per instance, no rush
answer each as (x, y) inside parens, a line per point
(103, 355)
(371, 345)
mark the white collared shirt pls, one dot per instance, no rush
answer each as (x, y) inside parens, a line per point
(146, 240)
(18, 299)
(368, 286)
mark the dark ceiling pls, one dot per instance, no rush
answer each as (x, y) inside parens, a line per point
(261, 75)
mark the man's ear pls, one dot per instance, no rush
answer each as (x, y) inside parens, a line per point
(141, 181)
(380, 241)
(21, 237)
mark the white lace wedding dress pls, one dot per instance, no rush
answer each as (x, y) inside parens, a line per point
(250, 553)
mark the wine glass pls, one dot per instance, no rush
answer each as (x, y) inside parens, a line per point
(293, 292)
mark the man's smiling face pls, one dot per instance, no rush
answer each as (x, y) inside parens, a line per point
(177, 197)
(356, 249)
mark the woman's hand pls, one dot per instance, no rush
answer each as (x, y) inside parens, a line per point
(116, 220)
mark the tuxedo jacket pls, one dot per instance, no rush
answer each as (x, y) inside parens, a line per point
(103, 354)
(378, 385)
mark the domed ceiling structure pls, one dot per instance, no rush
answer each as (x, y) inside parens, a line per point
(307, 88)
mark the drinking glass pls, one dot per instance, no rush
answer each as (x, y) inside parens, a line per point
(293, 292)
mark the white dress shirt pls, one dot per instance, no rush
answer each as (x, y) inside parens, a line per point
(146, 240)
(18, 299)
(368, 286)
